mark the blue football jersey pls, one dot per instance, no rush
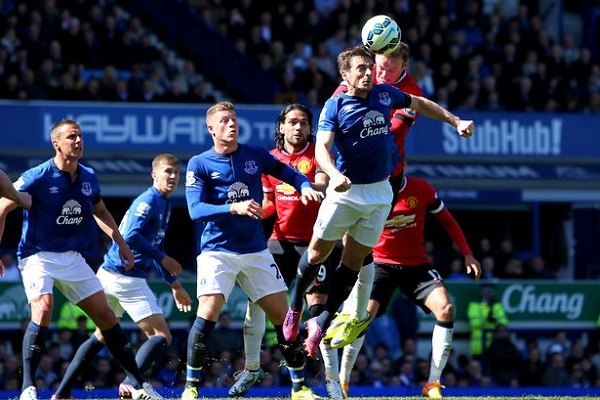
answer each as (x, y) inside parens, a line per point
(214, 181)
(366, 149)
(61, 214)
(143, 227)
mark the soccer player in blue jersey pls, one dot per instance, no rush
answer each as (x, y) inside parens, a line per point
(143, 227)
(359, 195)
(224, 190)
(65, 206)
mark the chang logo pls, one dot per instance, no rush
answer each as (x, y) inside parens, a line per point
(374, 124)
(238, 192)
(70, 214)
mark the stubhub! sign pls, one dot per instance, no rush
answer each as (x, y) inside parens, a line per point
(182, 128)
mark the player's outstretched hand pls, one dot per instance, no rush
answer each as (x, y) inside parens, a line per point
(473, 266)
(171, 265)
(310, 194)
(250, 208)
(465, 128)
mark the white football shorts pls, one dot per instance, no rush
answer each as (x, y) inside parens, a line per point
(256, 273)
(68, 271)
(128, 294)
(361, 211)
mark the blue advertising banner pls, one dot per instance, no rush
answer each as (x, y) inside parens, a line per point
(141, 128)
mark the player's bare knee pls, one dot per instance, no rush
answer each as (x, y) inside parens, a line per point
(446, 312)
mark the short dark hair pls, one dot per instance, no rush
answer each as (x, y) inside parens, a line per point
(345, 57)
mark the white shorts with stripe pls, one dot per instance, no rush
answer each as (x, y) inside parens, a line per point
(256, 273)
(361, 211)
(128, 294)
(68, 271)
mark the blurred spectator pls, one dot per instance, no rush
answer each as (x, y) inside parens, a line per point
(457, 270)
(538, 270)
(533, 367)
(556, 373)
(503, 255)
(560, 343)
(384, 332)
(483, 249)
(488, 265)
(485, 315)
(404, 312)
(225, 337)
(503, 357)
(514, 269)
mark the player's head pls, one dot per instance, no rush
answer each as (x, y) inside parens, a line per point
(221, 122)
(345, 58)
(294, 126)
(390, 67)
(356, 68)
(67, 139)
(165, 173)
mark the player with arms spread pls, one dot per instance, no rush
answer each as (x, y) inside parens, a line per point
(359, 194)
(392, 69)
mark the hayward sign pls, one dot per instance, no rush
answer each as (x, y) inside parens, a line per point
(528, 304)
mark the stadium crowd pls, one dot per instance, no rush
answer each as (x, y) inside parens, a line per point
(466, 55)
(570, 359)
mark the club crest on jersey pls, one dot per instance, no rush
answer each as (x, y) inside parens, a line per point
(250, 167)
(237, 192)
(303, 166)
(384, 99)
(412, 202)
(86, 188)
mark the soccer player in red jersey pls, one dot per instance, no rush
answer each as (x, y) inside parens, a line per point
(401, 262)
(292, 229)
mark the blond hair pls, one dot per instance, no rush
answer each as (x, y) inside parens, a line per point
(402, 51)
(220, 106)
(166, 157)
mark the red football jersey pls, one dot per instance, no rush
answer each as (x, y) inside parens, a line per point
(403, 238)
(402, 119)
(294, 220)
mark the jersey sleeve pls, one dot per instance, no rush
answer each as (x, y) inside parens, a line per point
(140, 215)
(284, 172)
(267, 184)
(328, 117)
(26, 183)
(164, 274)
(196, 195)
